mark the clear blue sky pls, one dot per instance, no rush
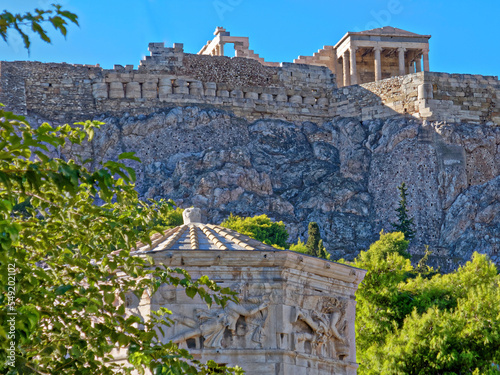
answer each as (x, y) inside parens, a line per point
(465, 34)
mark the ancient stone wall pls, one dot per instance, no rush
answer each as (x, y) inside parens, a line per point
(464, 98)
(13, 88)
(295, 92)
(431, 96)
(59, 92)
(63, 92)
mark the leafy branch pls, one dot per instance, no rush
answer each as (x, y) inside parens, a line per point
(76, 261)
(33, 21)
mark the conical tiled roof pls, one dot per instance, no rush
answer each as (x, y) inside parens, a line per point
(206, 241)
(198, 236)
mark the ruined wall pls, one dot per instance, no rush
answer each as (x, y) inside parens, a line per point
(65, 93)
(60, 92)
(295, 92)
(464, 98)
(325, 56)
(431, 96)
(13, 87)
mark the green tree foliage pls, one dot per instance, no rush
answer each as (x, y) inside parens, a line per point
(171, 218)
(66, 263)
(388, 264)
(261, 228)
(299, 247)
(322, 252)
(422, 268)
(313, 238)
(174, 218)
(32, 22)
(417, 321)
(404, 223)
(314, 242)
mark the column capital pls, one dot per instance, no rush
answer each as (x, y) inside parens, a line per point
(401, 49)
(378, 48)
(425, 50)
(353, 48)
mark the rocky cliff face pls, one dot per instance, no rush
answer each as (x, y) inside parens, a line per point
(342, 174)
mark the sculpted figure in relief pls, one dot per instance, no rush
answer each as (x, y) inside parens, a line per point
(325, 338)
(211, 324)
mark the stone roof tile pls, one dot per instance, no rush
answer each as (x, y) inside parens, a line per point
(199, 236)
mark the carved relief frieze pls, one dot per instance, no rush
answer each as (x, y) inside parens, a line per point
(321, 331)
(234, 326)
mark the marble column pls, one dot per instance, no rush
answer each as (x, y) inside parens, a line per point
(378, 63)
(410, 67)
(401, 55)
(352, 63)
(426, 59)
(238, 50)
(345, 64)
(419, 63)
(338, 71)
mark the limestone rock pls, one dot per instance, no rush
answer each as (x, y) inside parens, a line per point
(342, 173)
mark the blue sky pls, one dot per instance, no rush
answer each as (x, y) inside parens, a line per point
(465, 34)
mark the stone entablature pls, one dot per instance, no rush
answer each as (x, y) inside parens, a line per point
(296, 313)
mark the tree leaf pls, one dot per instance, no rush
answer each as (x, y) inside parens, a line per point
(128, 155)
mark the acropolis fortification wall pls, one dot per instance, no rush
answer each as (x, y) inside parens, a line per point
(295, 92)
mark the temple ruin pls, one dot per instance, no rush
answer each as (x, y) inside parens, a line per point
(215, 47)
(359, 57)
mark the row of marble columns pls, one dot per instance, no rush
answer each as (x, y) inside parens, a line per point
(349, 64)
(218, 50)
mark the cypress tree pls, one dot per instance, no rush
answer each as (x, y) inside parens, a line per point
(314, 243)
(405, 222)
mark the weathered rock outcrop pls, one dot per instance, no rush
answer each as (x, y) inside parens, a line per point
(341, 173)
